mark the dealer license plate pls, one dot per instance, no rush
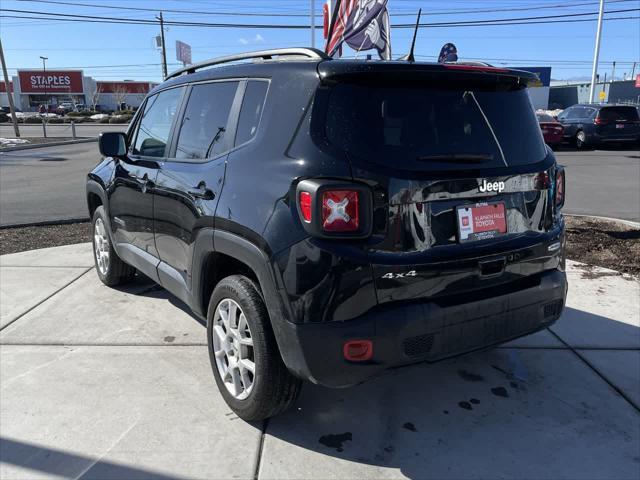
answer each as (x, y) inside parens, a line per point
(481, 221)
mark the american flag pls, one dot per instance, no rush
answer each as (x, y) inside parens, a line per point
(337, 35)
(362, 25)
(448, 53)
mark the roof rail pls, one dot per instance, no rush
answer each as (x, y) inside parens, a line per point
(312, 53)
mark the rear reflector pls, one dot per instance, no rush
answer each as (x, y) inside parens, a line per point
(340, 211)
(358, 350)
(305, 206)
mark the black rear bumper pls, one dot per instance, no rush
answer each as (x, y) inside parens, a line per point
(408, 333)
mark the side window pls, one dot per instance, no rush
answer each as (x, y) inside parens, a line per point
(569, 113)
(155, 123)
(251, 111)
(205, 121)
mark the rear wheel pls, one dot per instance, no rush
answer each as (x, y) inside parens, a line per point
(581, 139)
(111, 269)
(246, 363)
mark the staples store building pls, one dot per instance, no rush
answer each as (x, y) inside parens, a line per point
(32, 88)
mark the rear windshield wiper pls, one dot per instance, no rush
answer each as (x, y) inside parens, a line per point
(457, 158)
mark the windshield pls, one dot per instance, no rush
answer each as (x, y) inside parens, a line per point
(426, 129)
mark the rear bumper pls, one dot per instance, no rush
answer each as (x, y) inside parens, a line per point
(407, 333)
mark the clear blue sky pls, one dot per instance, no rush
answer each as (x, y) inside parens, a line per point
(115, 52)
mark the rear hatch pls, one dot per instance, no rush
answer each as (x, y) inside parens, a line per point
(618, 122)
(462, 180)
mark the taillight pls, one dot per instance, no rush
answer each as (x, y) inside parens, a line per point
(542, 181)
(335, 208)
(600, 121)
(340, 211)
(560, 184)
(304, 200)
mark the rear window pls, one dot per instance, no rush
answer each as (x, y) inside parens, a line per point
(613, 114)
(426, 129)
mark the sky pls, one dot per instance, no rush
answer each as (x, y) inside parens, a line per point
(124, 51)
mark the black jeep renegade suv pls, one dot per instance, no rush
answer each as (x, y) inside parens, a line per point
(334, 218)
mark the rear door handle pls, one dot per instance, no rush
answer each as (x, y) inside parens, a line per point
(201, 191)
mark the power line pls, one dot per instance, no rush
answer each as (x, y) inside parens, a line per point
(131, 21)
(300, 15)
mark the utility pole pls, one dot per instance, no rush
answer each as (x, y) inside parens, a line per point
(164, 50)
(613, 72)
(44, 69)
(596, 54)
(633, 71)
(12, 108)
(313, 24)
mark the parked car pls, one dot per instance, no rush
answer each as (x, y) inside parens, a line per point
(590, 125)
(65, 108)
(552, 130)
(333, 219)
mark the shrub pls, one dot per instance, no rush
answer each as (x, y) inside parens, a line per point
(104, 120)
(33, 120)
(74, 119)
(74, 114)
(56, 120)
(4, 118)
(120, 119)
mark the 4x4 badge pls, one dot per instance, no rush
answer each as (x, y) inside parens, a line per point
(491, 186)
(390, 275)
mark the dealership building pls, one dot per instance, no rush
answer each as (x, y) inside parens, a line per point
(32, 88)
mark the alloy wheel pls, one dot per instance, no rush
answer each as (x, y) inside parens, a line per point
(233, 348)
(101, 246)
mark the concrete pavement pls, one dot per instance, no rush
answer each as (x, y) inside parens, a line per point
(103, 383)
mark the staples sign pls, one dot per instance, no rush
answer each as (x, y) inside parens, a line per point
(50, 82)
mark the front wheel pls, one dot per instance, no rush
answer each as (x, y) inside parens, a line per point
(111, 269)
(246, 363)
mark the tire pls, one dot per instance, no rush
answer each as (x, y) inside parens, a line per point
(271, 388)
(581, 140)
(110, 268)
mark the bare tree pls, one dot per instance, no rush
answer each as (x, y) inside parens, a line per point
(95, 93)
(119, 94)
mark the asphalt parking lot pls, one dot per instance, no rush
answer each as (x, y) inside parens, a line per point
(48, 183)
(102, 383)
(61, 130)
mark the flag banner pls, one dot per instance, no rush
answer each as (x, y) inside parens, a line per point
(363, 25)
(448, 53)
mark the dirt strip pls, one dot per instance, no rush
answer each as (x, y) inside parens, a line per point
(593, 241)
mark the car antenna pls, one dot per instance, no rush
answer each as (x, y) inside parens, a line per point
(409, 56)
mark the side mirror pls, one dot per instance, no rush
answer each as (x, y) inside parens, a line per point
(113, 144)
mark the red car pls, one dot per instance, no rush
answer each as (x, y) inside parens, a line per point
(552, 130)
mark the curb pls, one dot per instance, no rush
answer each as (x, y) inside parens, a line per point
(629, 223)
(51, 144)
(46, 223)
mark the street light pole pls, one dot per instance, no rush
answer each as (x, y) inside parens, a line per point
(596, 54)
(44, 69)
